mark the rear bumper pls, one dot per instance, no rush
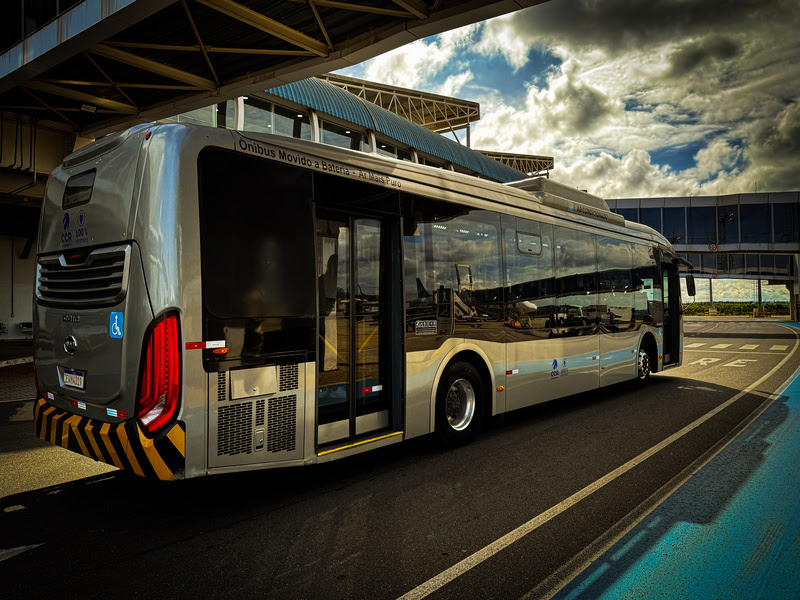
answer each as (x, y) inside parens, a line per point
(123, 445)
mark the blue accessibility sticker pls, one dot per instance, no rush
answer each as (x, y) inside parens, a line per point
(115, 325)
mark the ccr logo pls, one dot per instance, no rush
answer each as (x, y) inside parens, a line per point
(66, 237)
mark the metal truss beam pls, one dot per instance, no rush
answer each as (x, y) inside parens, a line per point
(527, 163)
(267, 25)
(150, 65)
(56, 90)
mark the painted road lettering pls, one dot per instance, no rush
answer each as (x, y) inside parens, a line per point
(742, 362)
(705, 361)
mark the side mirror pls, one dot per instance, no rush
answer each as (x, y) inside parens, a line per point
(690, 289)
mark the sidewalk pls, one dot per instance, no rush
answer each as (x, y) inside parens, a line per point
(731, 531)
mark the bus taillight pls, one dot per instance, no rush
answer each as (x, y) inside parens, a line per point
(160, 381)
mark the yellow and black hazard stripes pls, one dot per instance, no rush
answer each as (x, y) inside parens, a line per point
(123, 445)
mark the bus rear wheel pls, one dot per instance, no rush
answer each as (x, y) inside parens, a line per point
(459, 404)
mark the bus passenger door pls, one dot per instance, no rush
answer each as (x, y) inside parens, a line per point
(358, 296)
(672, 314)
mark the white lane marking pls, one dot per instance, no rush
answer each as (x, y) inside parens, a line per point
(721, 346)
(427, 588)
(695, 345)
(6, 553)
(781, 348)
(749, 347)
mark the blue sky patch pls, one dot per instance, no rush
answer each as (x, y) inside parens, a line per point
(679, 158)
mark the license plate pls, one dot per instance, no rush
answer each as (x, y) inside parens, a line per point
(73, 378)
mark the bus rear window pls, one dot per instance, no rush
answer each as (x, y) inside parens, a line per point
(79, 189)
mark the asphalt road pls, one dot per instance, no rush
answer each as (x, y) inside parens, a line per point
(512, 515)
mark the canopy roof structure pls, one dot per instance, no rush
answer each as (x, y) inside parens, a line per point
(98, 67)
(333, 100)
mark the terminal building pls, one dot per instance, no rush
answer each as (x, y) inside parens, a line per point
(752, 236)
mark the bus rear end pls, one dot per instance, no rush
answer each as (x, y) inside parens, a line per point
(108, 365)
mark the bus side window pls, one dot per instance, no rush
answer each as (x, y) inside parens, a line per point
(529, 277)
(615, 301)
(648, 305)
(576, 282)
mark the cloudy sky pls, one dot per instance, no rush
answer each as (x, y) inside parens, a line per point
(633, 98)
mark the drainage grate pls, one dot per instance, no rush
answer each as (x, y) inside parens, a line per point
(282, 424)
(288, 378)
(235, 429)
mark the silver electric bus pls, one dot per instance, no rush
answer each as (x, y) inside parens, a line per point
(210, 301)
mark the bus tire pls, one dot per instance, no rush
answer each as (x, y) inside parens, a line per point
(459, 404)
(644, 365)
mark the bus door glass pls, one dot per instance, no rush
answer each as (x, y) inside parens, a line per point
(672, 312)
(354, 392)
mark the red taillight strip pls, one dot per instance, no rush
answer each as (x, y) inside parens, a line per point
(160, 380)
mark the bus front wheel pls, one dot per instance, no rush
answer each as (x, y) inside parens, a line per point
(643, 365)
(459, 402)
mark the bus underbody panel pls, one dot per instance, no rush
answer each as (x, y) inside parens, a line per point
(258, 415)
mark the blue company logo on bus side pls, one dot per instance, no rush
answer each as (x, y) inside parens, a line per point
(79, 236)
(563, 372)
(115, 325)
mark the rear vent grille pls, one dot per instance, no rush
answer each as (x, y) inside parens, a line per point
(235, 429)
(260, 412)
(288, 378)
(282, 424)
(222, 386)
(78, 280)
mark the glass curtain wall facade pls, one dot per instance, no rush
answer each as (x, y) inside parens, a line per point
(737, 236)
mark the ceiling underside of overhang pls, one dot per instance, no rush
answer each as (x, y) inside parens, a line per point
(194, 53)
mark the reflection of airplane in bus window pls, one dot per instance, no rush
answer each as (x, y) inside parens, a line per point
(464, 298)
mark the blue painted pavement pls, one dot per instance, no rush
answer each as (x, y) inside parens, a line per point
(732, 531)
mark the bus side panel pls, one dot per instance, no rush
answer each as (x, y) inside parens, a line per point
(618, 356)
(542, 370)
(421, 369)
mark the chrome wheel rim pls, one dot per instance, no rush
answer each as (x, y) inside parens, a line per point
(644, 364)
(460, 404)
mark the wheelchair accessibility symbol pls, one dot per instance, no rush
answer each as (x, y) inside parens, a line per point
(115, 325)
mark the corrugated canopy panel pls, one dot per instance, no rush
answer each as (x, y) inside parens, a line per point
(330, 99)
(326, 98)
